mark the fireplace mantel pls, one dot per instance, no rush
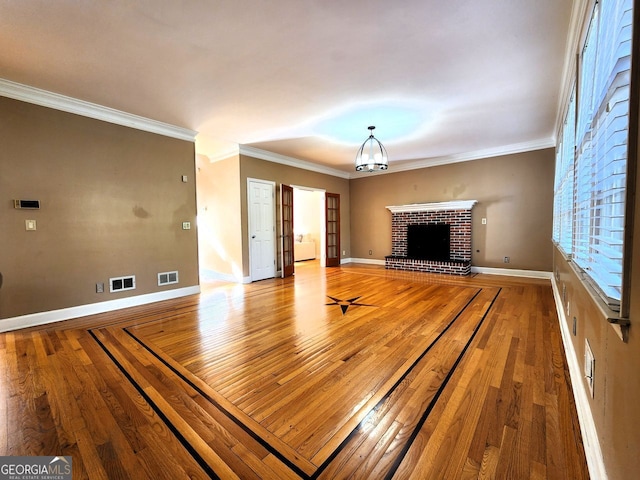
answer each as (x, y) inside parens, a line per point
(433, 207)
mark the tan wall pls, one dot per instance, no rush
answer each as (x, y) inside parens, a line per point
(616, 391)
(264, 170)
(219, 228)
(514, 193)
(112, 201)
(621, 430)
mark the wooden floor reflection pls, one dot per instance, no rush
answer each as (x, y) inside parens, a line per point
(350, 372)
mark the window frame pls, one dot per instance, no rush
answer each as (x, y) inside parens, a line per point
(587, 210)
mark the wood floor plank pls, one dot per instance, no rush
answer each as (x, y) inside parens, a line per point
(241, 418)
(505, 427)
(153, 443)
(321, 406)
(422, 385)
(349, 372)
(4, 408)
(199, 422)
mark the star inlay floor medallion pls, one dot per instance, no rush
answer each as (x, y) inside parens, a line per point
(345, 304)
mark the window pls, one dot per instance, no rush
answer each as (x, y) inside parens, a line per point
(564, 184)
(589, 190)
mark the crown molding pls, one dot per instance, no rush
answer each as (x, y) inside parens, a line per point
(222, 155)
(291, 162)
(469, 156)
(402, 166)
(56, 101)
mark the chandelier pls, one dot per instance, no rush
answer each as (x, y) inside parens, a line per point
(372, 155)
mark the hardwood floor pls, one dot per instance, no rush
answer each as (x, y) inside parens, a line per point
(350, 372)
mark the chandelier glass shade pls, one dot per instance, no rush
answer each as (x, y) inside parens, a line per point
(372, 155)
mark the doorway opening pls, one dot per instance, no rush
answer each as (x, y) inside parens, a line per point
(309, 225)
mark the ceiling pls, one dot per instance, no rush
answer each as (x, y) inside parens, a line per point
(441, 81)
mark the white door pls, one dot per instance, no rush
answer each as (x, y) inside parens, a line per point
(262, 252)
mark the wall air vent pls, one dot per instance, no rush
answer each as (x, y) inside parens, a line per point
(118, 284)
(167, 278)
(30, 204)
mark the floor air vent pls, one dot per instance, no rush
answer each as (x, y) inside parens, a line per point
(119, 284)
(167, 278)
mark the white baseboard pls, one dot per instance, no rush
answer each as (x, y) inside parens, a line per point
(593, 452)
(512, 272)
(368, 261)
(42, 318)
(489, 271)
(225, 277)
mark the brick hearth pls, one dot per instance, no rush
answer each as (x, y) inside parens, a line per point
(456, 214)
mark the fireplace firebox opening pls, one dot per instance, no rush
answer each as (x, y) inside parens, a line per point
(429, 242)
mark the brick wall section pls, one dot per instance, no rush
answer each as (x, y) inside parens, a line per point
(430, 266)
(460, 222)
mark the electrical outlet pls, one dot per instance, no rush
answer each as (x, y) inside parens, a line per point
(506, 259)
(589, 366)
(99, 287)
(370, 252)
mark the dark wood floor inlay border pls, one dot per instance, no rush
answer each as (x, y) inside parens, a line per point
(441, 377)
(192, 451)
(187, 378)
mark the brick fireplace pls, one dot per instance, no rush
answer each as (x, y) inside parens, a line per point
(456, 214)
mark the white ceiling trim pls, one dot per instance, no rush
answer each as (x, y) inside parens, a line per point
(56, 101)
(465, 157)
(404, 166)
(222, 155)
(290, 161)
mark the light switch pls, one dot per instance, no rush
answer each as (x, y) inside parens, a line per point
(30, 224)
(186, 225)
(185, 179)
(484, 221)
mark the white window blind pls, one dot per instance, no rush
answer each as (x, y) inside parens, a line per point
(564, 181)
(601, 147)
